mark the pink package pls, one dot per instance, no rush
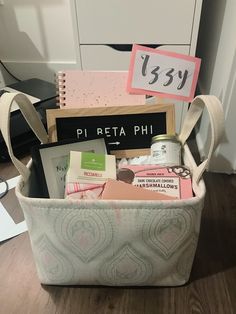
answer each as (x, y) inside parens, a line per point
(83, 190)
(174, 181)
(119, 190)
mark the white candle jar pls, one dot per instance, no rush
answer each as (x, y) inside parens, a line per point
(166, 149)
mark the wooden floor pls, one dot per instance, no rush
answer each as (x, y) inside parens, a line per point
(211, 289)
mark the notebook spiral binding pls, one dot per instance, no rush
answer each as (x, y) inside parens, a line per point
(60, 85)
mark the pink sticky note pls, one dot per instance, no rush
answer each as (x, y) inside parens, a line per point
(162, 73)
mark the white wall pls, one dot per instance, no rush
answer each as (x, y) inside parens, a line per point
(38, 37)
(217, 48)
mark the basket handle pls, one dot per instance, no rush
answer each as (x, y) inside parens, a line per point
(216, 116)
(31, 116)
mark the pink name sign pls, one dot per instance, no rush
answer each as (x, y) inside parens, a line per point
(162, 73)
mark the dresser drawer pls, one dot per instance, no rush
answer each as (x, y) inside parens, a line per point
(150, 21)
(107, 58)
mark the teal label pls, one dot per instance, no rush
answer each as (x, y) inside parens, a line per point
(93, 161)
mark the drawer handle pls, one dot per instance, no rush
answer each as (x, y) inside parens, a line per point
(128, 47)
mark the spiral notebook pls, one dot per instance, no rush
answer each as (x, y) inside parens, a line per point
(83, 89)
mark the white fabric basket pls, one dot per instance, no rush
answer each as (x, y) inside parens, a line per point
(117, 243)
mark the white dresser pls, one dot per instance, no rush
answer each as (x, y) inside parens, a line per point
(108, 28)
(93, 35)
